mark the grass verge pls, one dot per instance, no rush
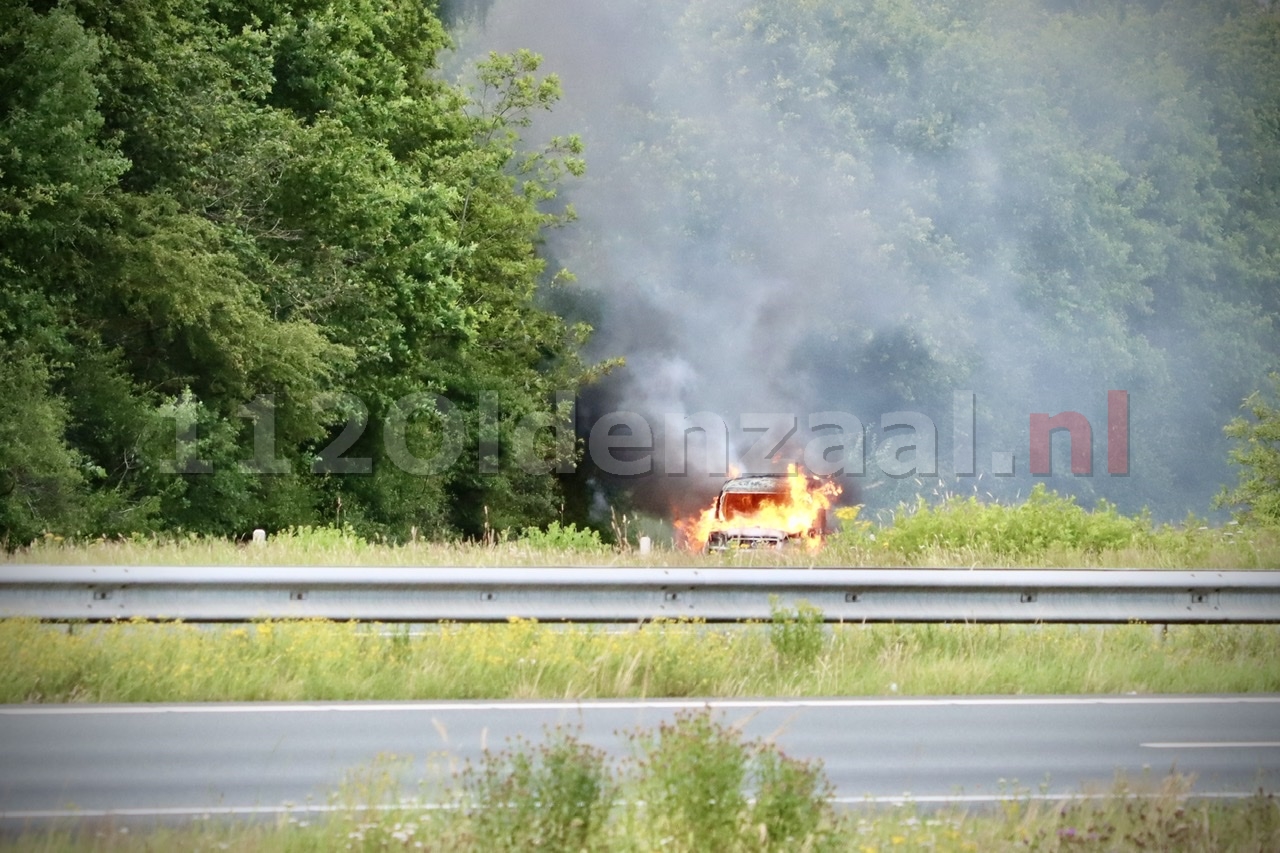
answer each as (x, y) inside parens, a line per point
(694, 785)
(793, 655)
(1045, 531)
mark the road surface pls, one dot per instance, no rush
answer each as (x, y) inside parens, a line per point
(173, 760)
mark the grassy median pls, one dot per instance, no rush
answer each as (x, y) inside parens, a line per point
(794, 655)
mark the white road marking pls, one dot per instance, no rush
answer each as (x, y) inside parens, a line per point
(621, 704)
(1225, 744)
(216, 811)
(942, 799)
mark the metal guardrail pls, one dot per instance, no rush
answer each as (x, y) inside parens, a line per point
(609, 594)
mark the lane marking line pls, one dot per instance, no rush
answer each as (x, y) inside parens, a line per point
(908, 799)
(1225, 744)
(214, 811)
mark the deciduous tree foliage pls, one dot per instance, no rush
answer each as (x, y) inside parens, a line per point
(1257, 454)
(229, 231)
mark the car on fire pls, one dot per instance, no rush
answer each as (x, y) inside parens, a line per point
(741, 504)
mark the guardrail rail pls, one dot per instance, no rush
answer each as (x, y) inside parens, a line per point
(610, 594)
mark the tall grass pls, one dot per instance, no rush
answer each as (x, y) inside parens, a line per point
(315, 660)
(1045, 531)
(1133, 816)
(1048, 529)
(1044, 521)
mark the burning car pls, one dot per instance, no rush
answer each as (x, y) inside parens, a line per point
(764, 511)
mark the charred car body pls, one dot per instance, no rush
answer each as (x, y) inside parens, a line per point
(750, 512)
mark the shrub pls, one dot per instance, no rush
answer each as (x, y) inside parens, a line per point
(694, 775)
(854, 532)
(1257, 454)
(792, 809)
(687, 791)
(1045, 520)
(557, 797)
(568, 537)
(319, 538)
(797, 634)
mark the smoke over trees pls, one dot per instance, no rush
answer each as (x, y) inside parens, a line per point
(869, 205)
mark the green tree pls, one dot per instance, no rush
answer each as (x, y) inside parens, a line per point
(226, 228)
(57, 178)
(1257, 454)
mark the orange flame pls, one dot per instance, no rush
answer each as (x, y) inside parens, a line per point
(798, 511)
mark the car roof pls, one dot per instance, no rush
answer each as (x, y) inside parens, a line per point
(760, 483)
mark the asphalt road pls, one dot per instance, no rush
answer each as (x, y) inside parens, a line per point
(174, 760)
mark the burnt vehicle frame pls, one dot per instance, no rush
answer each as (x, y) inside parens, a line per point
(742, 497)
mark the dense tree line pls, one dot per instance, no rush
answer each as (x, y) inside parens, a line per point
(259, 260)
(242, 243)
